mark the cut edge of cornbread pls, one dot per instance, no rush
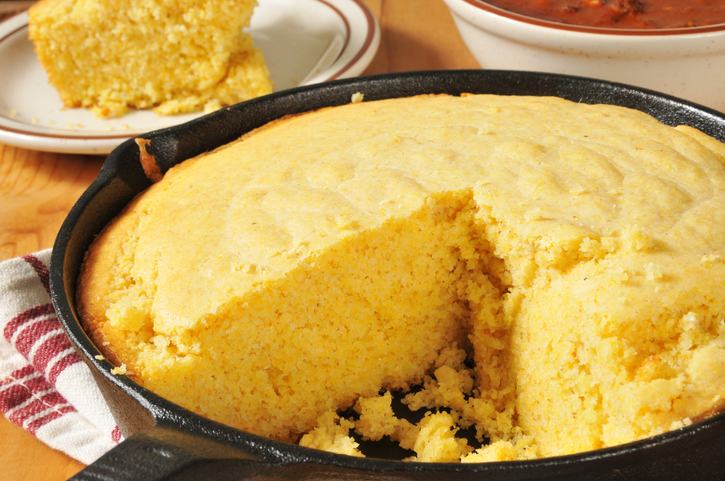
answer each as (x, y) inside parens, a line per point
(422, 297)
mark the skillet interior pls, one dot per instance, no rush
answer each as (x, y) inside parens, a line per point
(165, 441)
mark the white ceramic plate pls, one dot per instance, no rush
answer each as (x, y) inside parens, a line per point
(304, 42)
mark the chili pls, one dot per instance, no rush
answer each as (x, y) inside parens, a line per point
(631, 14)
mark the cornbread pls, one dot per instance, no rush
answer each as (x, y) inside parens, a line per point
(548, 274)
(172, 56)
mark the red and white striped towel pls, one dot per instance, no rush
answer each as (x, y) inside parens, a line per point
(44, 385)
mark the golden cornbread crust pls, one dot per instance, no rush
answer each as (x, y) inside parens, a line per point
(172, 56)
(574, 252)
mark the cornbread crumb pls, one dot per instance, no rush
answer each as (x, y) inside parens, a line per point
(635, 239)
(680, 424)
(523, 447)
(357, 97)
(175, 57)
(707, 258)
(119, 370)
(531, 277)
(376, 417)
(331, 435)
(653, 272)
(436, 441)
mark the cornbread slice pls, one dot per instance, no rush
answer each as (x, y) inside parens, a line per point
(574, 252)
(172, 56)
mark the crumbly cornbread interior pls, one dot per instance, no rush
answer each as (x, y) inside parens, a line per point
(550, 273)
(172, 56)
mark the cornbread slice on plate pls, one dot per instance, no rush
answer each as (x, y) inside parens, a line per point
(573, 253)
(174, 57)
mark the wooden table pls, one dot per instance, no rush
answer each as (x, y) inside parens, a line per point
(37, 189)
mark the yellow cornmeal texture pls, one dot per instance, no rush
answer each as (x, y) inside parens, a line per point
(574, 252)
(172, 56)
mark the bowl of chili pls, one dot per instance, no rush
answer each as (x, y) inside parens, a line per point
(675, 47)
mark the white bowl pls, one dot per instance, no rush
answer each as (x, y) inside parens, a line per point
(687, 62)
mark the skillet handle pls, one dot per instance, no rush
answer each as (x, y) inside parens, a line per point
(160, 453)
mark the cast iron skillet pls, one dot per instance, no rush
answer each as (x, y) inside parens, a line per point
(164, 441)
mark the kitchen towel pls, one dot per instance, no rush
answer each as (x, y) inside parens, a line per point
(45, 387)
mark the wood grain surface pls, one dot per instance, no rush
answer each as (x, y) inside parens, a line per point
(37, 189)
